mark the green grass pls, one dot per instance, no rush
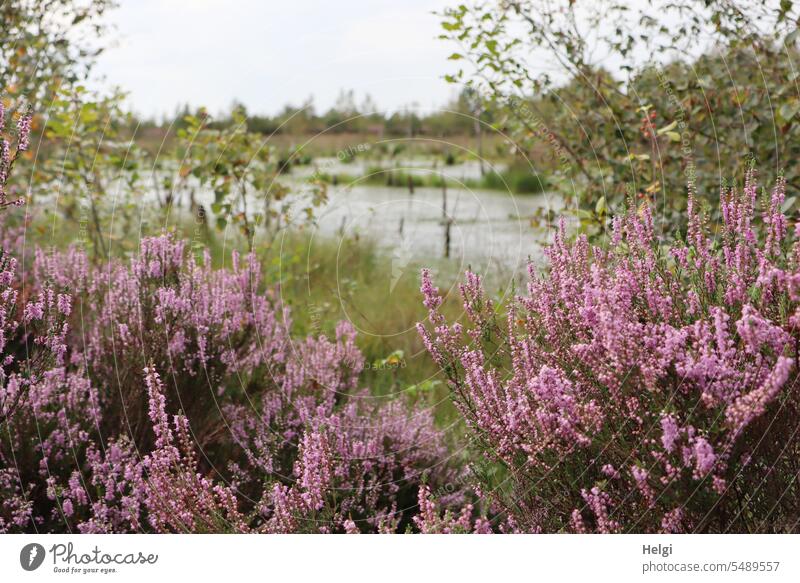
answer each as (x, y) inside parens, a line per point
(325, 281)
(515, 180)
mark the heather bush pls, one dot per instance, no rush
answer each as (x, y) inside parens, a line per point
(250, 430)
(647, 385)
(12, 145)
(50, 405)
(211, 331)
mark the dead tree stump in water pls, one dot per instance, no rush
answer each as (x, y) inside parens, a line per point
(447, 221)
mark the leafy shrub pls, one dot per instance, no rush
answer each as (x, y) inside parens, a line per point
(648, 113)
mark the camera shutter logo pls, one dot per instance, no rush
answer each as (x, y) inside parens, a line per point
(31, 556)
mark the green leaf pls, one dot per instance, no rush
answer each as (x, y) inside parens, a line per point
(667, 128)
(600, 208)
(789, 110)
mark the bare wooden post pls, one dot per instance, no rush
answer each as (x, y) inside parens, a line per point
(479, 136)
(446, 221)
(447, 238)
(444, 200)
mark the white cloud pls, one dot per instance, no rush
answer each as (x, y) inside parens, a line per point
(267, 54)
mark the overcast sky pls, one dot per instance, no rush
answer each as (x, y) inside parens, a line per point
(267, 53)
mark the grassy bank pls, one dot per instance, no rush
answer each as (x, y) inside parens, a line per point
(514, 180)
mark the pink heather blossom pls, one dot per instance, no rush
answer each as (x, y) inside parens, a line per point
(431, 520)
(24, 131)
(751, 405)
(640, 476)
(704, 457)
(7, 160)
(64, 304)
(430, 294)
(576, 522)
(34, 311)
(646, 353)
(598, 502)
(313, 470)
(672, 521)
(610, 471)
(669, 432)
